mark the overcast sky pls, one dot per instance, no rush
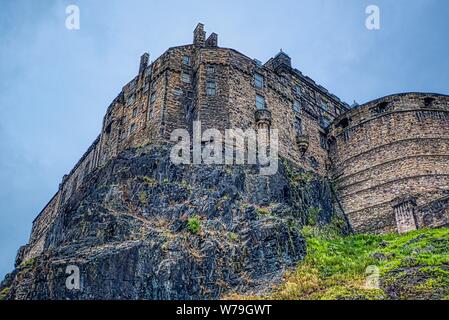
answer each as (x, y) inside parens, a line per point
(55, 84)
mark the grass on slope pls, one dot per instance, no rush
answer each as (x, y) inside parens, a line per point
(338, 267)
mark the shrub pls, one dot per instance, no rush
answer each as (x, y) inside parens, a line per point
(263, 211)
(194, 225)
(143, 198)
(4, 293)
(149, 181)
(313, 215)
(233, 236)
(28, 263)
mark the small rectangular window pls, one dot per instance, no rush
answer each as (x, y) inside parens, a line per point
(132, 128)
(323, 141)
(258, 80)
(131, 99)
(211, 88)
(298, 126)
(297, 106)
(210, 70)
(325, 106)
(146, 87)
(297, 90)
(325, 122)
(185, 77)
(153, 97)
(186, 60)
(134, 112)
(260, 102)
(132, 85)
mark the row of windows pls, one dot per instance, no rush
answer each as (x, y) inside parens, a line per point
(259, 84)
(187, 61)
(260, 104)
(297, 90)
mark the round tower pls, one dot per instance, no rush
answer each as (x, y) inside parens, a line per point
(390, 157)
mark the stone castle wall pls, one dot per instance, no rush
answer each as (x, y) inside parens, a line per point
(171, 92)
(374, 155)
(388, 149)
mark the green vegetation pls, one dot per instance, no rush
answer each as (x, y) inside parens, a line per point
(416, 264)
(28, 263)
(194, 225)
(233, 236)
(303, 177)
(4, 293)
(149, 181)
(143, 198)
(313, 215)
(263, 211)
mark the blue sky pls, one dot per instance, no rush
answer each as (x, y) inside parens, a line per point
(56, 84)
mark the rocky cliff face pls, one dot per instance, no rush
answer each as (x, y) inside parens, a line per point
(143, 228)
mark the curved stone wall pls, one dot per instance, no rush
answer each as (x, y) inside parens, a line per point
(389, 158)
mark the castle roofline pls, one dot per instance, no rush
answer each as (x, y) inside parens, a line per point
(402, 94)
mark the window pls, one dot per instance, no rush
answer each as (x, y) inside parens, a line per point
(185, 77)
(258, 80)
(260, 102)
(325, 122)
(325, 106)
(146, 87)
(296, 106)
(147, 72)
(298, 126)
(178, 92)
(131, 99)
(380, 108)
(428, 101)
(134, 112)
(132, 85)
(297, 90)
(211, 87)
(344, 123)
(132, 128)
(323, 141)
(153, 97)
(186, 60)
(210, 70)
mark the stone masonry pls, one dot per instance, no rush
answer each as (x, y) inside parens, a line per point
(387, 149)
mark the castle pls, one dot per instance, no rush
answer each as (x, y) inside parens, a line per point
(388, 158)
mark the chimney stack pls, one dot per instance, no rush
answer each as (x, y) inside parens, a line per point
(212, 41)
(199, 35)
(144, 62)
